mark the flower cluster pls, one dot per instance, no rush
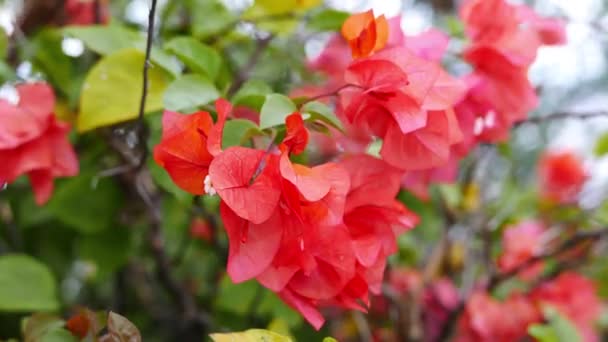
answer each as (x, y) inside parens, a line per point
(504, 39)
(561, 176)
(316, 236)
(484, 317)
(33, 142)
(321, 235)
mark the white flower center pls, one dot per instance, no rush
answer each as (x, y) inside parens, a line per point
(209, 187)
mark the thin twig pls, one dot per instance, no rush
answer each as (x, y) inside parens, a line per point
(97, 12)
(562, 116)
(243, 75)
(335, 92)
(141, 129)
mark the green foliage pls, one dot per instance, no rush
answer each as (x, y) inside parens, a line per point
(188, 92)
(209, 17)
(601, 146)
(238, 131)
(275, 109)
(321, 112)
(45, 328)
(252, 335)
(26, 285)
(558, 328)
(196, 56)
(111, 92)
(327, 20)
(108, 251)
(86, 204)
(252, 94)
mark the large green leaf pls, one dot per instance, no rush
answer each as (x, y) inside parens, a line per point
(321, 112)
(106, 40)
(209, 17)
(190, 91)
(252, 94)
(26, 285)
(85, 206)
(558, 328)
(251, 335)
(327, 20)
(278, 16)
(108, 250)
(237, 131)
(112, 90)
(196, 55)
(275, 109)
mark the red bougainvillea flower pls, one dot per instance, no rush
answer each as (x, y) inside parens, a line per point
(303, 232)
(83, 12)
(505, 39)
(33, 142)
(575, 297)
(520, 243)
(418, 182)
(561, 176)
(407, 101)
(188, 144)
(200, 229)
(485, 319)
(364, 33)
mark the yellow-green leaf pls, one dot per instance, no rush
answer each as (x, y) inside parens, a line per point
(251, 335)
(112, 90)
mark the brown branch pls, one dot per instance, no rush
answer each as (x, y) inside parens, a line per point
(141, 128)
(195, 323)
(97, 12)
(562, 116)
(335, 92)
(243, 75)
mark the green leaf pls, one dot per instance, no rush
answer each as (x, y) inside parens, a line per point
(3, 44)
(251, 335)
(601, 145)
(329, 339)
(327, 20)
(106, 40)
(85, 206)
(236, 298)
(35, 327)
(238, 131)
(58, 335)
(275, 109)
(252, 94)
(26, 285)
(51, 59)
(108, 250)
(197, 56)
(271, 305)
(189, 91)
(321, 112)
(112, 90)
(558, 328)
(209, 17)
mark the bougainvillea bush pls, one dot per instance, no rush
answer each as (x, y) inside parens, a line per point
(282, 170)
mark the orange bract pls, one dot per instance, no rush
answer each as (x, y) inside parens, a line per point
(365, 34)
